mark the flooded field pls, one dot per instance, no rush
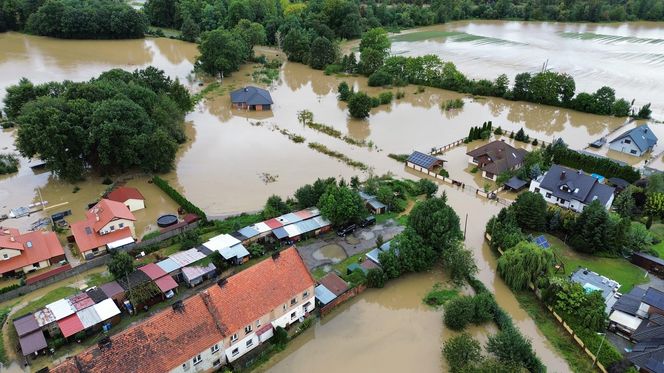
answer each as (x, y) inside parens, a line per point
(626, 56)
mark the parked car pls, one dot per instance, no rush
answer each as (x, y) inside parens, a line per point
(346, 230)
(369, 220)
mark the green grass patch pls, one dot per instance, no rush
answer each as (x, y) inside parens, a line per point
(97, 279)
(48, 298)
(657, 230)
(340, 156)
(438, 296)
(619, 269)
(236, 222)
(554, 333)
(424, 35)
(3, 317)
(150, 235)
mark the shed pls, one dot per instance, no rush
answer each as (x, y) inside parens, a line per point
(120, 243)
(324, 295)
(96, 294)
(620, 184)
(130, 197)
(106, 310)
(237, 254)
(649, 263)
(26, 324)
(153, 271)
(626, 322)
(33, 342)
(220, 242)
(334, 283)
(134, 279)
(169, 265)
(515, 184)
(81, 301)
(166, 284)
(354, 267)
(184, 258)
(194, 275)
(61, 309)
(70, 325)
(280, 233)
(251, 98)
(113, 290)
(88, 317)
(423, 162)
(369, 265)
(249, 232)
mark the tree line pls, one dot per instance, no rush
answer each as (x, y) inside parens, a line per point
(73, 19)
(115, 122)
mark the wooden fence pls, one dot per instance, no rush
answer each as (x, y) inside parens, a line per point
(562, 322)
(506, 133)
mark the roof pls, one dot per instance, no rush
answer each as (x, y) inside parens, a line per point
(88, 317)
(654, 298)
(81, 301)
(642, 137)
(271, 283)
(123, 194)
(424, 160)
(334, 283)
(249, 232)
(194, 272)
(70, 325)
(133, 279)
(32, 342)
(273, 223)
(121, 242)
(649, 354)
(627, 320)
(583, 188)
(87, 239)
(169, 265)
(375, 253)
(106, 309)
(651, 258)
(629, 303)
(111, 289)
(498, 156)
(61, 308)
(324, 295)
(280, 233)
(261, 227)
(515, 183)
(237, 251)
(652, 327)
(96, 294)
(35, 247)
(166, 283)
(618, 182)
(44, 317)
(158, 344)
(153, 271)
(289, 218)
(107, 211)
(184, 258)
(26, 324)
(252, 96)
(220, 242)
(369, 264)
(354, 267)
(607, 286)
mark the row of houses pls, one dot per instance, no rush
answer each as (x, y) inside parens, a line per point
(27, 252)
(212, 328)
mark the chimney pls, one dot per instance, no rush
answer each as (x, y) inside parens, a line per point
(222, 282)
(104, 343)
(178, 306)
(12, 239)
(96, 217)
(275, 256)
(562, 175)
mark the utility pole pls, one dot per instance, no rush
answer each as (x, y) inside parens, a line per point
(41, 201)
(465, 225)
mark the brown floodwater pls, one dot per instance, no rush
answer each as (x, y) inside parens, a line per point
(628, 57)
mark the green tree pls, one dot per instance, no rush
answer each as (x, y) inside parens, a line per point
(345, 91)
(374, 48)
(458, 312)
(436, 223)
(391, 263)
(530, 211)
(359, 105)
(638, 238)
(161, 13)
(297, 45)
(509, 346)
(524, 264)
(591, 229)
(459, 263)
(309, 194)
(427, 187)
(376, 278)
(624, 204)
(341, 205)
(655, 204)
(17, 96)
(222, 52)
(461, 351)
(414, 254)
(252, 33)
(121, 264)
(325, 53)
(655, 184)
(190, 30)
(274, 206)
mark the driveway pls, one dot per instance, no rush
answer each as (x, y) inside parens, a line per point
(331, 249)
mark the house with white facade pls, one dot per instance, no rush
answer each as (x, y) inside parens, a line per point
(572, 189)
(212, 328)
(27, 252)
(130, 197)
(108, 224)
(636, 141)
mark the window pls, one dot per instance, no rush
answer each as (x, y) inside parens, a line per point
(121, 225)
(36, 265)
(258, 323)
(197, 359)
(215, 348)
(250, 342)
(235, 351)
(95, 250)
(185, 366)
(548, 195)
(247, 329)
(537, 190)
(306, 305)
(284, 307)
(5, 256)
(112, 227)
(305, 295)
(632, 151)
(628, 141)
(293, 301)
(234, 338)
(216, 363)
(292, 315)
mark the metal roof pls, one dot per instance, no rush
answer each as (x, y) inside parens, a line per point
(251, 96)
(153, 271)
(166, 283)
(626, 320)
(88, 317)
(292, 230)
(280, 233)
(194, 272)
(515, 183)
(121, 242)
(423, 160)
(169, 265)
(604, 284)
(70, 325)
(26, 324)
(373, 255)
(237, 251)
(61, 308)
(184, 258)
(654, 298)
(324, 295)
(106, 309)
(261, 227)
(321, 221)
(642, 136)
(32, 342)
(221, 242)
(111, 289)
(249, 232)
(44, 317)
(289, 218)
(81, 301)
(96, 294)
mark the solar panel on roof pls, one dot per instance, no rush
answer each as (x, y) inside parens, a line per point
(422, 160)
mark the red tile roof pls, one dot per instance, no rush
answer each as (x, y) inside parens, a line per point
(8, 239)
(107, 211)
(334, 283)
(153, 271)
(261, 288)
(122, 194)
(70, 325)
(35, 247)
(88, 241)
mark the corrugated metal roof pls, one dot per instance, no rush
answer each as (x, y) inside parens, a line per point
(166, 283)
(121, 242)
(273, 223)
(289, 218)
(324, 295)
(106, 309)
(249, 232)
(153, 271)
(261, 227)
(194, 272)
(184, 258)
(221, 242)
(306, 226)
(88, 317)
(70, 325)
(169, 265)
(81, 301)
(237, 251)
(322, 222)
(373, 255)
(280, 233)
(292, 230)
(26, 324)
(111, 289)
(304, 214)
(61, 308)
(629, 321)
(44, 317)
(32, 342)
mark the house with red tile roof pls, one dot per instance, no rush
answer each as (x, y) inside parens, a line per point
(130, 197)
(108, 224)
(26, 252)
(210, 329)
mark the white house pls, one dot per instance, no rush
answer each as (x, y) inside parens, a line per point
(571, 189)
(108, 224)
(636, 141)
(128, 196)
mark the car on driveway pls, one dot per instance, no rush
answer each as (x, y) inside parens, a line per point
(369, 220)
(346, 230)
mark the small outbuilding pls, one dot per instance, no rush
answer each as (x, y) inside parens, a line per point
(423, 162)
(194, 275)
(251, 98)
(515, 184)
(128, 196)
(649, 263)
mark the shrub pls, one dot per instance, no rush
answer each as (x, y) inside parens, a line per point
(344, 91)
(461, 351)
(439, 296)
(376, 278)
(179, 198)
(399, 157)
(385, 97)
(8, 164)
(456, 103)
(458, 312)
(379, 78)
(443, 172)
(280, 338)
(534, 143)
(498, 131)
(400, 95)
(359, 105)
(9, 288)
(375, 102)
(332, 69)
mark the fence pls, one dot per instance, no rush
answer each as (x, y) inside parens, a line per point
(350, 294)
(162, 237)
(456, 143)
(562, 322)
(445, 148)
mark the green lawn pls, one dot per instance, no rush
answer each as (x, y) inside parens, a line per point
(627, 274)
(341, 266)
(97, 279)
(3, 354)
(658, 231)
(51, 297)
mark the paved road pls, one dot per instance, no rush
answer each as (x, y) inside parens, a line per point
(361, 241)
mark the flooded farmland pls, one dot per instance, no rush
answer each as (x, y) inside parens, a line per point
(234, 160)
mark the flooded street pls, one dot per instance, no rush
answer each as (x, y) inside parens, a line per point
(233, 160)
(628, 57)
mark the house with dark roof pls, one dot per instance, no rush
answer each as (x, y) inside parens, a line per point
(423, 162)
(372, 203)
(572, 189)
(635, 308)
(27, 252)
(495, 158)
(251, 98)
(636, 141)
(212, 328)
(648, 262)
(648, 356)
(131, 197)
(108, 225)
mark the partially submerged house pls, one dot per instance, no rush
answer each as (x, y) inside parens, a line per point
(251, 98)
(108, 225)
(27, 252)
(636, 141)
(130, 197)
(572, 189)
(593, 281)
(212, 328)
(424, 162)
(495, 158)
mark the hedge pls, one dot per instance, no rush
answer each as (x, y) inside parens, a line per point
(588, 163)
(9, 288)
(179, 198)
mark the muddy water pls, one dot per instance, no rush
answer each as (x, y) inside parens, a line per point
(626, 56)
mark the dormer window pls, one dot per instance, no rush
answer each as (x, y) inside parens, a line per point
(565, 188)
(628, 141)
(576, 190)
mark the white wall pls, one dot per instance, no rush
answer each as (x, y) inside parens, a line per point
(241, 346)
(484, 175)
(116, 224)
(286, 319)
(9, 252)
(620, 146)
(135, 204)
(206, 364)
(42, 264)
